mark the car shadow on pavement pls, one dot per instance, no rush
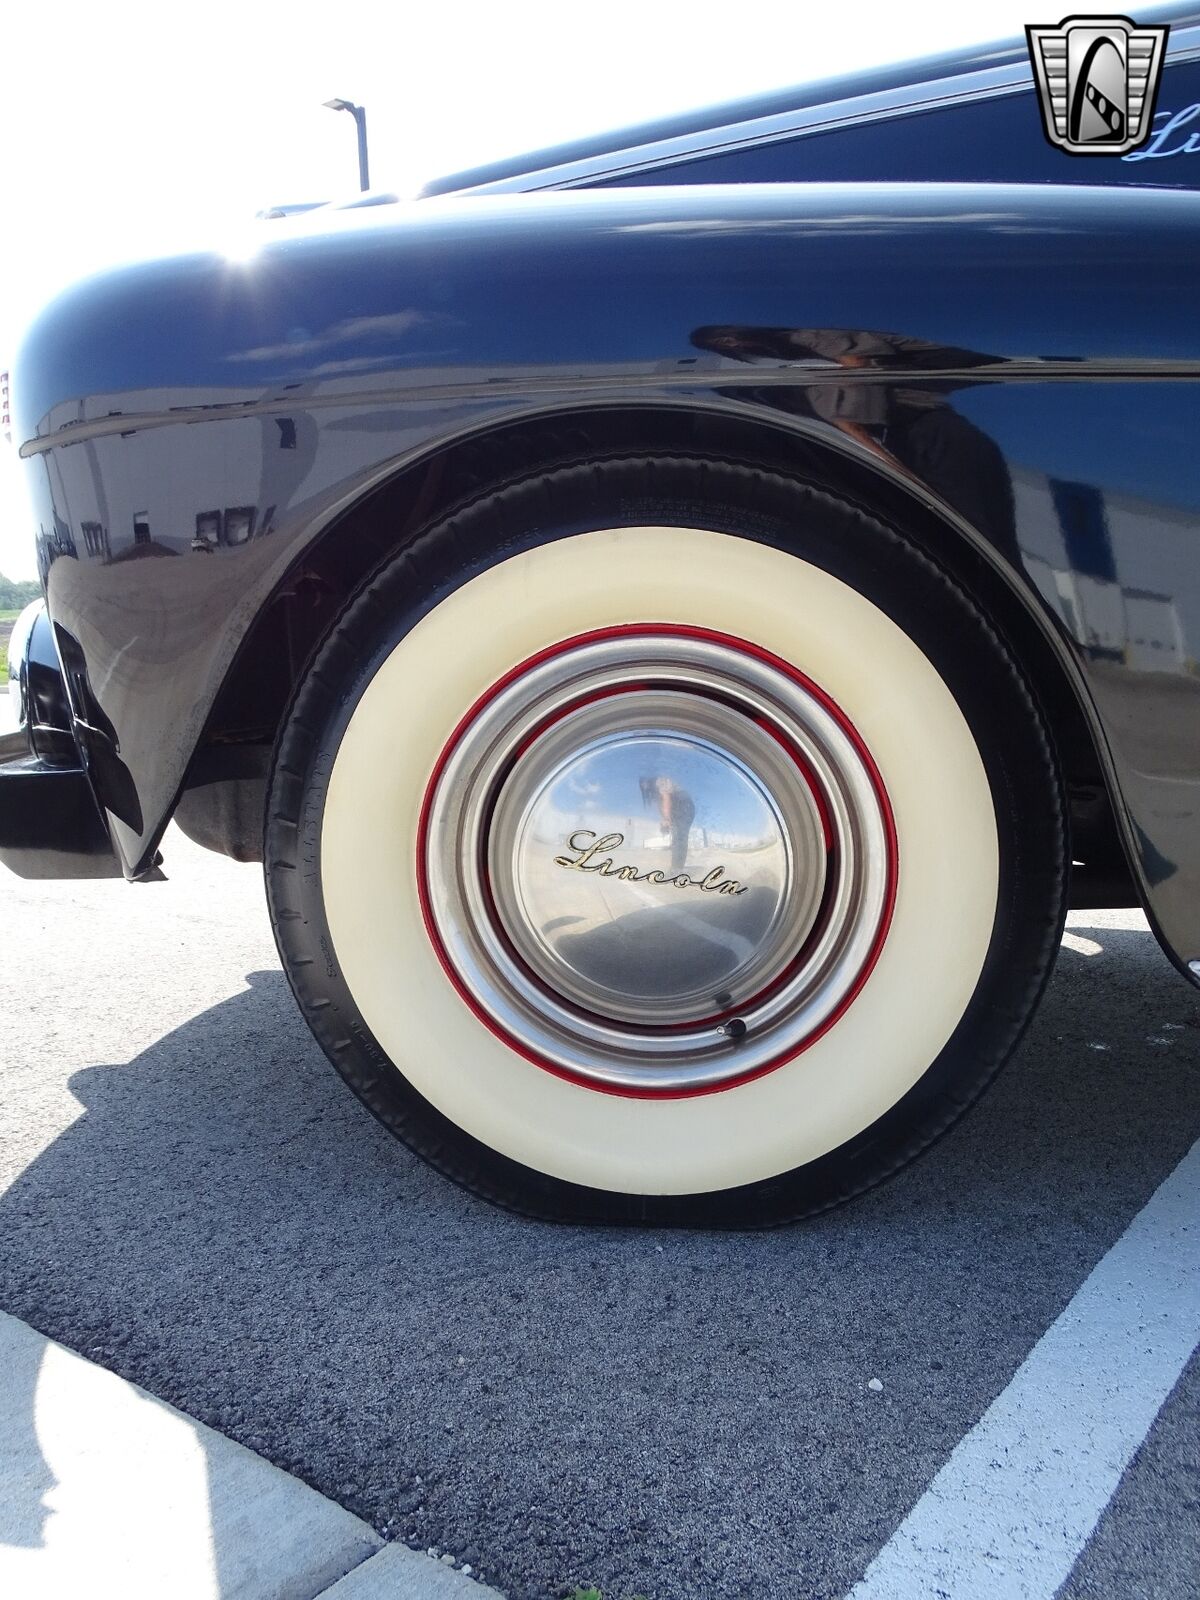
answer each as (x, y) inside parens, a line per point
(669, 1414)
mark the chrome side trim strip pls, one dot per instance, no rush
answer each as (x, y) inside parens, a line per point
(988, 83)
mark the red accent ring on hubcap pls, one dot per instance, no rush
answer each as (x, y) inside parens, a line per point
(633, 631)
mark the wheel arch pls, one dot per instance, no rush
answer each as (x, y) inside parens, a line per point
(220, 804)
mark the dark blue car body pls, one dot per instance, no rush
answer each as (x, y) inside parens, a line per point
(891, 285)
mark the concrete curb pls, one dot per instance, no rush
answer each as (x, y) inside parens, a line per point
(395, 1572)
(106, 1491)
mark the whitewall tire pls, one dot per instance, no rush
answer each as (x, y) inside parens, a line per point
(664, 866)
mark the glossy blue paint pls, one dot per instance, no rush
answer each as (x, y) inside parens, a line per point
(989, 140)
(941, 119)
(1024, 359)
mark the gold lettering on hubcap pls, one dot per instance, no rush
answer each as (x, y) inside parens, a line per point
(584, 860)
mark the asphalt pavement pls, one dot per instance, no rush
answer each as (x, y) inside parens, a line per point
(192, 1199)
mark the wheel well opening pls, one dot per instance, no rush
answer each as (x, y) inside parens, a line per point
(221, 804)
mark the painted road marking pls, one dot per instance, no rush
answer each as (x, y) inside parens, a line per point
(106, 1491)
(1009, 1513)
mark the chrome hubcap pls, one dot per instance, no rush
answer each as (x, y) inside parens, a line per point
(656, 860)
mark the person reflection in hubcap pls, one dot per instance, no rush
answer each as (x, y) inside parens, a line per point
(677, 810)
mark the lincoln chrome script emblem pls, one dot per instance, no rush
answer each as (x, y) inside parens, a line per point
(1097, 79)
(585, 854)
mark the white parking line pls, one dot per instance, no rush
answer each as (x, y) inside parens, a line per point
(1009, 1513)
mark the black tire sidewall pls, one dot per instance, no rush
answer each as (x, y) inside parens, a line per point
(747, 502)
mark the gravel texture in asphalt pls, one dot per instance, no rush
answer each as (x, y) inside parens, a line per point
(192, 1198)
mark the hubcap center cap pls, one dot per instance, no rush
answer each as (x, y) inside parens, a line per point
(648, 875)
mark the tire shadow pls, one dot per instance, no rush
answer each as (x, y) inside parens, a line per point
(653, 1412)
